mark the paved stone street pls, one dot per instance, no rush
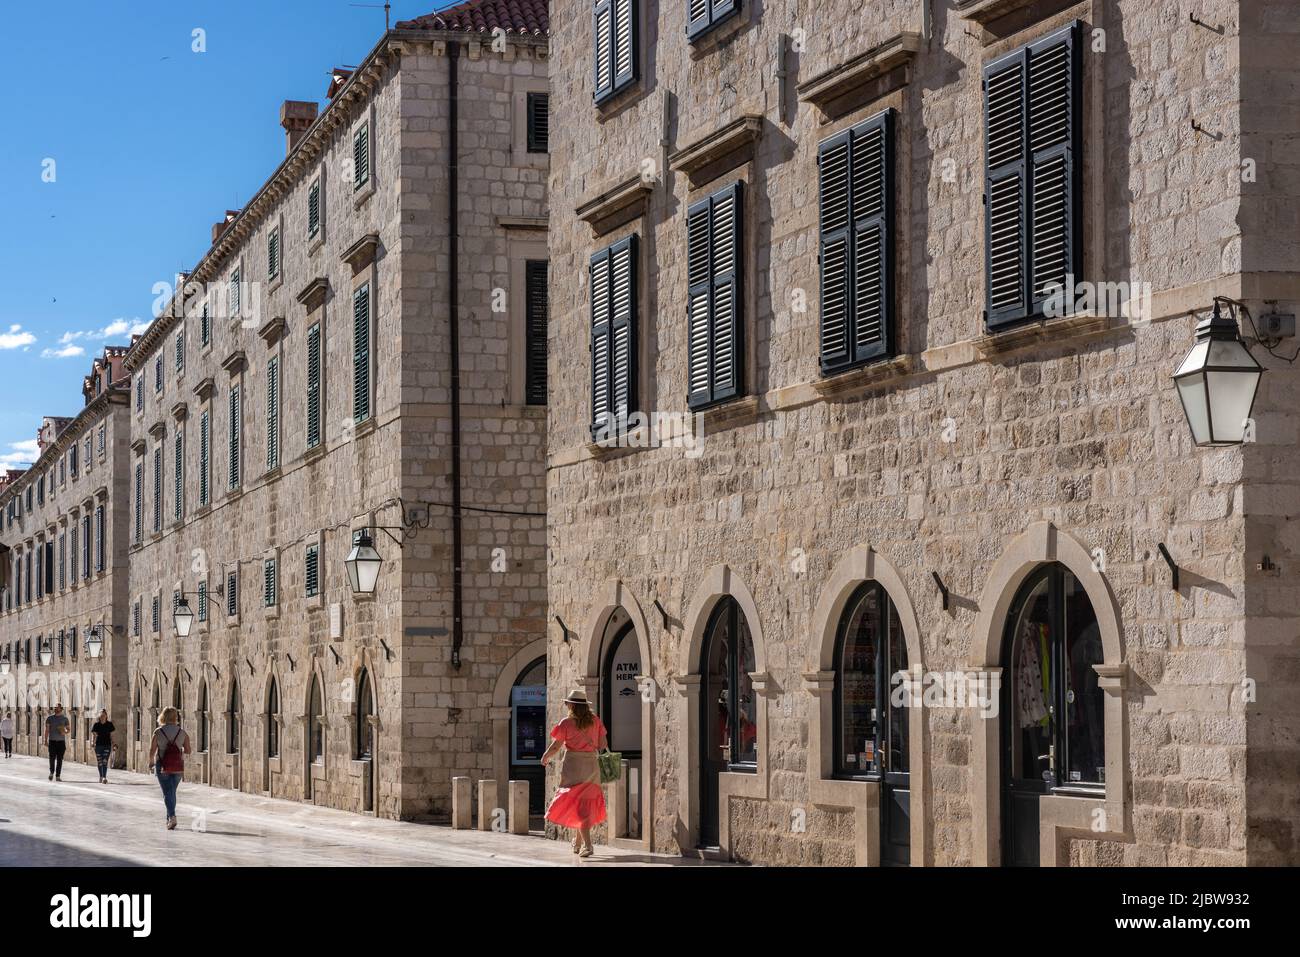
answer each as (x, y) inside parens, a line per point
(79, 822)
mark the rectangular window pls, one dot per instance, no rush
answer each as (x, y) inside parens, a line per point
(157, 489)
(313, 209)
(361, 354)
(63, 560)
(203, 459)
(72, 458)
(613, 335)
(312, 571)
(273, 253)
(272, 413)
(1032, 178)
(155, 614)
(139, 502)
(232, 297)
(361, 157)
(158, 373)
(85, 542)
(234, 437)
(49, 568)
(539, 123)
(313, 386)
(103, 430)
(703, 15)
(205, 326)
(855, 172)
(139, 393)
(203, 601)
(535, 321)
(74, 551)
(232, 594)
(135, 619)
(178, 478)
(714, 228)
(180, 350)
(268, 583)
(614, 25)
(100, 539)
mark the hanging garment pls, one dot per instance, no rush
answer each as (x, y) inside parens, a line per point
(1031, 707)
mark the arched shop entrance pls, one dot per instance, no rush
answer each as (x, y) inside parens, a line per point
(620, 708)
(728, 710)
(528, 738)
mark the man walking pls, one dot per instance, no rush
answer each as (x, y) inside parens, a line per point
(56, 740)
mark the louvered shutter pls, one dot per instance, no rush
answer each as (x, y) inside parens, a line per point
(697, 308)
(232, 594)
(272, 413)
(273, 254)
(234, 294)
(313, 386)
(622, 335)
(179, 478)
(205, 328)
(268, 583)
(834, 256)
(624, 42)
(713, 265)
(539, 123)
(313, 209)
(139, 502)
(157, 489)
(697, 17)
(535, 322)
(180, 351)
(203, 459)
(361, 354)
(234, 437)
(1031, 109)
(872, 193)
(311, 575)
(203, 601)
(74, 551)
(100, 543)
(361, 157)
(602, 46)
(600, 325)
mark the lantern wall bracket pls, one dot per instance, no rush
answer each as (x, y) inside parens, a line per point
(289, 658)
(563, 627)
(662, 613)
(388, 530)
(943, 589)
(188, 677)
(337, 659)
(1173, 566)
(388, 652)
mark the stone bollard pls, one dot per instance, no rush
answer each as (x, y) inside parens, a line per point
(487, 803)
(462, 804)
(518, 807)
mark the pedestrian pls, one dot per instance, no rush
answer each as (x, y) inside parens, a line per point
(103, 730)
(56, 740)
(174, 743)
(579, 801)
(7, 733)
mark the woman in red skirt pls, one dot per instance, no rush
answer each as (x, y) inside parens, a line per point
(579, 802)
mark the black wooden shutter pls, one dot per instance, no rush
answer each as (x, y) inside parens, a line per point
(1031, 110)
(697, 17)
(872, 191)
(602, 47)
(535, 321)
(714, 251)
(623, 42)
(361, 157)
(313, 209)
(361, 354)
(313, 386)
(233, 449)
(834, 255)
(699, 391)
(622, 335)
(600, 374)
(539, 123)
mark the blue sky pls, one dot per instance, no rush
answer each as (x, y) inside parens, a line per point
(151, 142)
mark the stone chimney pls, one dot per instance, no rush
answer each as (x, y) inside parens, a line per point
(296, 116)
(219, 228)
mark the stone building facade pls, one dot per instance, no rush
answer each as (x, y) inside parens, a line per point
(352, 354)
(63, 578)
(822, 238)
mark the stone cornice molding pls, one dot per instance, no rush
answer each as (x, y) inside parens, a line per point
(733, 142)
(840, 89)
(615, 206)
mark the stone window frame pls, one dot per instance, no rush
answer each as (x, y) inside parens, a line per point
(271, 557)
(520, 251)
(1061, 816)
(721, 581)
(862, 565)
(361, 194)
(520, 155)
(321, 177)
(318, 541)
(275, 226)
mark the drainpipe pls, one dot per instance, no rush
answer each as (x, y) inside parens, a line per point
(453, 315)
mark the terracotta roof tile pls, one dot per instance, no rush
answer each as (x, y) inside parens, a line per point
(520, 17)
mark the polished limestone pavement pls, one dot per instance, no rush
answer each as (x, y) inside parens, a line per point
(80, 822)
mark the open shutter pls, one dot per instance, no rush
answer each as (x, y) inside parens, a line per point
(600, 327)
(1004, 189)
(272, 413)
(833, 200)
(697, 308)
(234, 437)
(203, 459)
(624, 42)
(361, 157)
(535, 322)
(726, 251)
(313, 209)
(1053, 133)
(697, 17)
(313, 386)
(623, 328)
(361, 354)
(602, 47)
(872, 192)
(178, 484)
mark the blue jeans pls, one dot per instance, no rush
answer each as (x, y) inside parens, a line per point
(101, 758)
(169, 783)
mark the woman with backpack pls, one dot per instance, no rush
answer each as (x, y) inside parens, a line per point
(169, 746)
(579, 801)
(103, 731)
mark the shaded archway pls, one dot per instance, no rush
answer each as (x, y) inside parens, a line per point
(503, 709)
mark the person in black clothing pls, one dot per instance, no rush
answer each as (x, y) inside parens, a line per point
(103, 730)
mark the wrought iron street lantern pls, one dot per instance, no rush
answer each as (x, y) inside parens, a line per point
(1217, 382)
(363, 565)
(183, 618)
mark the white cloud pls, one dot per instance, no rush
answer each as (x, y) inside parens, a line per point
(63, 352)
(15, 338)
(121, 328)
(23, 454)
